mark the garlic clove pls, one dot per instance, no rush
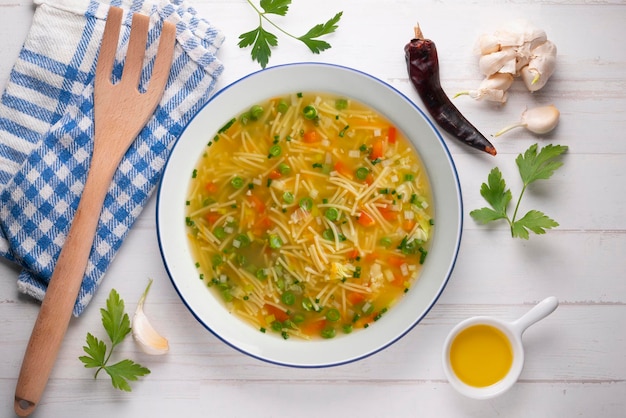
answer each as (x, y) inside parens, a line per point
(150, 341)
(494, 62)
(487, 44)
(518, 32)
(539, 120)
(492, 88)
(540, 67)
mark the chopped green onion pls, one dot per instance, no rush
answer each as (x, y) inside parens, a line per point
(275, 151)
(260, 274)
(306, 203)
(310, 112)
(347, 328)
(226, 126)
(275, 242)
(385, 241)
(333, 315)
(237, 182)
(243, 240)
(328, 234)
(362, 173)
(288, 197)
(341, 104)
(216, 260)
(307, 305)
(409, 177)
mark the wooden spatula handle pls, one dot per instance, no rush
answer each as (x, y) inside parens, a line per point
(56, 308)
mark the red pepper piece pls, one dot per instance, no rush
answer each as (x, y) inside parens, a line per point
(423, 68)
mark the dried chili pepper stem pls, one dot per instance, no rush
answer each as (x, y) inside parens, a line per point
(423, 68)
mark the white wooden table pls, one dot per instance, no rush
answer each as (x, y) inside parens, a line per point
(575, 359)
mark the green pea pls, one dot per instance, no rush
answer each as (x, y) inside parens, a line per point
(255, 112)
(328, 332)
(284, 169)
(362, 173)
(282, 106)
(332, 214)
(237, 182)
(310, 112)
(288, 298)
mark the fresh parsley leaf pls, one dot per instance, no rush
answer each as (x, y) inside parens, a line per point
(315, 45)
(277, 7)
(117, 326)
(124, 371)
(262, 41)
(114, 320)
(533, 165)
(96, 351)
(496, 193)
(534, 221)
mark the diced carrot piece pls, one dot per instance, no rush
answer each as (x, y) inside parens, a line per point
(369, 179)
(371, 257)
(387, 213)
(396, 261)
(392, 134)
(353, 254)
(313, 328)
(261, 226)
(366, 219)
(256, 202)
(212, 217)
(408, 224)
(274, 174)
(344, 170)
(279, 314)
(378, 150)
(210, 187)
(309, 137)
(355, 297)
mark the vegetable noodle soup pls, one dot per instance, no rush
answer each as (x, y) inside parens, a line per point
(309, 215)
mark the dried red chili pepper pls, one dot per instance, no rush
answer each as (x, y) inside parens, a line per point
(423, 67)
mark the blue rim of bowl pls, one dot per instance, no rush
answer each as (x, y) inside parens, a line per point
(450, 267)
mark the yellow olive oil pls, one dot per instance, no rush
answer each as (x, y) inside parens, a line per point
(481, 355)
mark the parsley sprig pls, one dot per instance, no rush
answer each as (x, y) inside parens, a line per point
(117, 325)
(262, 40)
(532, 166)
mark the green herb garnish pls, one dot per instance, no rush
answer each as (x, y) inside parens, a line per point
(117, 325)
(262, 40)
(532, 166)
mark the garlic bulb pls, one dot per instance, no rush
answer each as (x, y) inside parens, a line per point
(519, 49)
(539, 120)
(150, 341)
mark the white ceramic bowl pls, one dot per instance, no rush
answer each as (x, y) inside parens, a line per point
(257, 87)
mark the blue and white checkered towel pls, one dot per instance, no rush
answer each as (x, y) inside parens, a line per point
(46, 131)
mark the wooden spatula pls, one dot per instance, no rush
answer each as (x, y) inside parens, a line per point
(120, 112)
